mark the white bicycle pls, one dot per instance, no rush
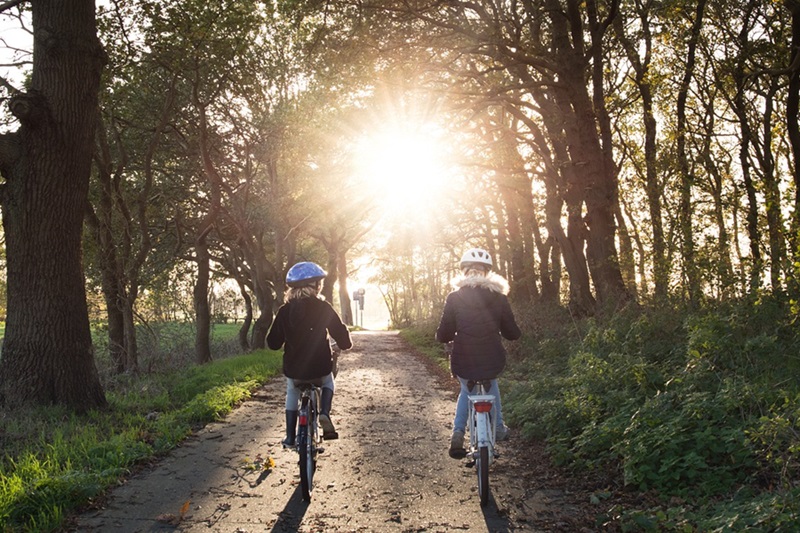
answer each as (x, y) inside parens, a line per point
(481, 424)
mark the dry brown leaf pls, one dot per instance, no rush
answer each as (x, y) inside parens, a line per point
(185, 508)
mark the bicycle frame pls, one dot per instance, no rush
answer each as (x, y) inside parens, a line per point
(481, 423)
(482, 414)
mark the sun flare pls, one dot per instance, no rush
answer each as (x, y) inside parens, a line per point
(405, 170)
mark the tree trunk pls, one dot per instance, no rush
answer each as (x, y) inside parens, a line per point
(332, 246)
(202, 342)
(772, 196)
(591, 180)
(344, 296)
(627, 261)
(264, 301)
(653, 187)
(690, 269)
(600, 190)
(530, 234)
(110, 283)
(563, 190)
(516, 270)
(793, 126)
(47, 350)
(244, 343)
(131, 346)
(724, 268)
(116, 331)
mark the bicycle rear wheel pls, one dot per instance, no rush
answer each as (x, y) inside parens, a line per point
(482, 467)
(307, 448)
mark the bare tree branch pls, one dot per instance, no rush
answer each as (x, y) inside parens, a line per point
(5, 83)
(10, 4)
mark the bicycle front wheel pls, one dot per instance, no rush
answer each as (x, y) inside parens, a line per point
(482, 467)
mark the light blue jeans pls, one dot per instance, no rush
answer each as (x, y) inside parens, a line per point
(293, 393)
(462, 405)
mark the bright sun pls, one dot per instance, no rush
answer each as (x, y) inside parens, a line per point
(405, 169)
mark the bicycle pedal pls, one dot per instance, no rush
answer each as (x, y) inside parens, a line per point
(470, 463)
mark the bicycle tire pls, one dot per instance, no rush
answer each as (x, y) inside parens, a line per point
(311, 453)
(306, 450)
(482, 467)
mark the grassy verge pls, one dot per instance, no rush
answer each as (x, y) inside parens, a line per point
(55, 461)
(422, 338)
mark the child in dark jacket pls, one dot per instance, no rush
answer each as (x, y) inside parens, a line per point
(301, 327)
(475, 317)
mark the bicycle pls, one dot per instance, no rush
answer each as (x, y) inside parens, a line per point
(481, 424)
(307, 443)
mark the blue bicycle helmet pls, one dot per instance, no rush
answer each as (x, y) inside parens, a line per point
(305, 273)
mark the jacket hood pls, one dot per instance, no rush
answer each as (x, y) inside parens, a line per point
(493, 282)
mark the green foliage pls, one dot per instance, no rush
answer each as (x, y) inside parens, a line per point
(423, 338)
(683, 444)
(696, 407)
(744, 511)
(56, 461)
(776, 438)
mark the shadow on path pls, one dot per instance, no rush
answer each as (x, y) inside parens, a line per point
(290, 518)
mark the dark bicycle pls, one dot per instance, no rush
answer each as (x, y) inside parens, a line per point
(309, 438)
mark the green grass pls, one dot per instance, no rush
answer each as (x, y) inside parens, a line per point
(56, 461)
(422, 337)
(225, 332)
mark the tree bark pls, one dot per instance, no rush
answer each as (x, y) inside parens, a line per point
(772, 195)
(793, 126)
(47, 350)
(653, 187)
(592, 179)
(264, 301)
(202, 342)
(690, 268)
(344, 295)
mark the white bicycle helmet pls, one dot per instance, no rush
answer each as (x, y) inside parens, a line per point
(476, 257)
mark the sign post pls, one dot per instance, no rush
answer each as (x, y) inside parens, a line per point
(358, 296)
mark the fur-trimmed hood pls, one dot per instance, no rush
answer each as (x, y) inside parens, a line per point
(493, 282)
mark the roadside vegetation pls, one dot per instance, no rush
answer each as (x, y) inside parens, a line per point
(55, 461)
(699, 409)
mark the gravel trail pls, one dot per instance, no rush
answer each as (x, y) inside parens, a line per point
(389, 470)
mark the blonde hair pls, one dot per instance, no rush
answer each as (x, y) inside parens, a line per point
(307, 291)
(473, 271)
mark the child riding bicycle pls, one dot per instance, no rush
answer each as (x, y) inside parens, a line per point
(301, 327)
(475, 317)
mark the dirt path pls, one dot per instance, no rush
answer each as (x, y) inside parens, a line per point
(389, 470)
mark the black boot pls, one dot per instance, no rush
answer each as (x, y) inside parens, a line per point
(328, 431)
(291, 429)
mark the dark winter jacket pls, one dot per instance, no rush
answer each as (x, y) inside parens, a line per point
(475, 317)
(302, 325)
